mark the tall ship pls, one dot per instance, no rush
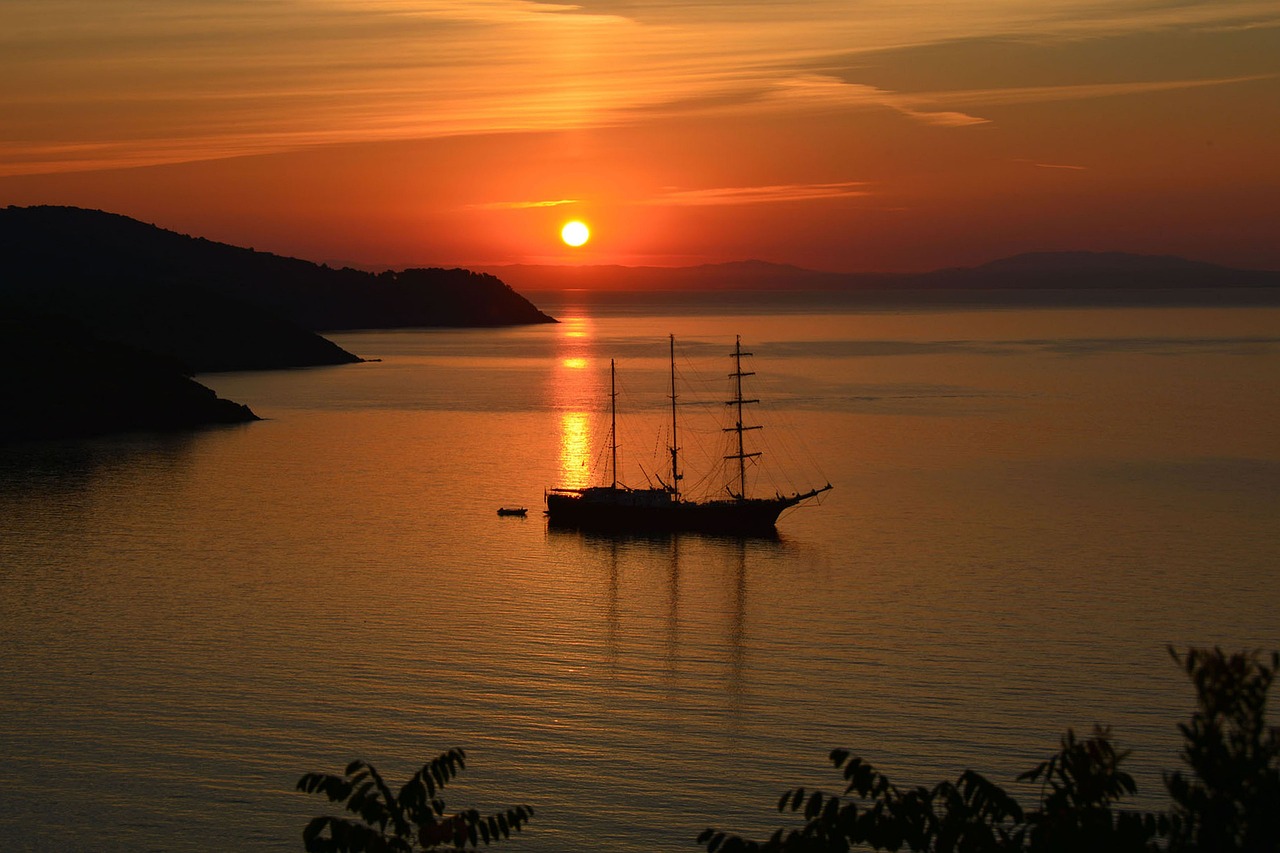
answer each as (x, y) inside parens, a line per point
(620, 508)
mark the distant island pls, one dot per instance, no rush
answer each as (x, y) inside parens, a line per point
(107, 318)
(1031, 274)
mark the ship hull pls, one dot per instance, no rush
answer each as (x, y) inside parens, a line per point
(631, 512)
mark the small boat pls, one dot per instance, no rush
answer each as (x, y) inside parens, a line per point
(513, 510)
(619, 508)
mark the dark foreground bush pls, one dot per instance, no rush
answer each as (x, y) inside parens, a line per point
(413, 819)
(1227, 798)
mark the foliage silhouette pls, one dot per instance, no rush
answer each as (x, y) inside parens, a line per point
(413, 819)
(1230, 801)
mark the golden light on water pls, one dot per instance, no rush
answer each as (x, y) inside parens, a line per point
(575, 449)
(576, 394)
(575, 327)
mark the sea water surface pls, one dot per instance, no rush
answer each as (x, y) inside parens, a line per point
(1029, 504)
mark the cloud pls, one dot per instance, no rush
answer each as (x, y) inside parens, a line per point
(1063, 166)
(1042, 94)
(941, 118)
(714, 196)
(927, 107)
(762, 194)
(117, 82)
(522, 205)
(826, 92)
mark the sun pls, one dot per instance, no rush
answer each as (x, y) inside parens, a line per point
(575, 233)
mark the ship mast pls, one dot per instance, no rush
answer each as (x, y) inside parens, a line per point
(613, 418)
(675, 450)
(738, 402)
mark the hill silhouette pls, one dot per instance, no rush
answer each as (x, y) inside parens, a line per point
(58, 245)
(131, 303)
(59, 381)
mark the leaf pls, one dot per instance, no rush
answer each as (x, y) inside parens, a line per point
(314, 828)
(814, 805)
(519, 816)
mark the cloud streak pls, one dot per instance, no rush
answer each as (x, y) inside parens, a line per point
(1061, 166)
(1002, 97)
(761, 194)
(523, 205)
(115, 82)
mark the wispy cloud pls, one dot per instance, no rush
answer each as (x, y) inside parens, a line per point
(811, 91)
(1042, 94)
(762, 194)
(714, 196)
(1062, 166)
(117, 82)
(522, 205)
(823, 91)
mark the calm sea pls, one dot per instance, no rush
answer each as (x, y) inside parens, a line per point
(1029, 504)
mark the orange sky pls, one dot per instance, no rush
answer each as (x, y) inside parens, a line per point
(833, 134)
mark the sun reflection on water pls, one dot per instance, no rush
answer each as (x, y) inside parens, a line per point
(575, 327)
(575, 395)
(575, 449)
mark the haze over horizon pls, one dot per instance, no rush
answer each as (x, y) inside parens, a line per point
(833, 136)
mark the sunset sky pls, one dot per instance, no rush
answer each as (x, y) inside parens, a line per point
(853, 135)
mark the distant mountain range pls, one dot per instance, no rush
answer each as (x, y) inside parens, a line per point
(126, 312)
(1032, 271)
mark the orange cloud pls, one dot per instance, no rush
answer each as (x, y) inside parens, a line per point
(104, 82)
(522, 205)
(1045, 94)
(1064, 166)
(762, 194)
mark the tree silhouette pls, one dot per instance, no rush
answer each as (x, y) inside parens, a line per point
(1228, 801)
(413, 819)
(1231, 798)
